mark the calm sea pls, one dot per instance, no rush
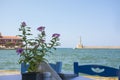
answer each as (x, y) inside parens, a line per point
(109, 57)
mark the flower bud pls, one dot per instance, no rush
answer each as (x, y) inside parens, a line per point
(23, 24)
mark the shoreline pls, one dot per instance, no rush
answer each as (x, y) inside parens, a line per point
(99, 47)
(9, 72)
(84, 47)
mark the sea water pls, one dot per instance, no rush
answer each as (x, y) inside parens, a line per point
(108, 57)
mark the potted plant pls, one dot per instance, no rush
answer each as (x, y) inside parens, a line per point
(33, 51)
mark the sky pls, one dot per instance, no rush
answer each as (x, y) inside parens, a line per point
(97, 22)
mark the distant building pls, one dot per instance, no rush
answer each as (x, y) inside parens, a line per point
(10, 41)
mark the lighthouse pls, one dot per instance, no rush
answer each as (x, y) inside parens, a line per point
(79, 45)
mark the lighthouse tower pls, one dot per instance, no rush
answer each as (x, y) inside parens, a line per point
(80, 45)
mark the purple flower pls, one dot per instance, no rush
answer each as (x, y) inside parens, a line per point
(41, 28)
(19, 50)
(23, 24)
(55, 35)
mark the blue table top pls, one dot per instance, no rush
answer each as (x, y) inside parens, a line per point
(19, 77)
(11, 77)
(81, 78)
